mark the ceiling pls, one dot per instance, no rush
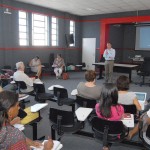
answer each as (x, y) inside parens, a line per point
(92, 7)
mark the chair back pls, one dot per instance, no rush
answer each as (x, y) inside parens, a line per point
(85, 102)
(130, 109)
(115, 127)
(60, 92)
(145, 66)
(108, 131)
(67, 117)
(39, 88)
(21, 85)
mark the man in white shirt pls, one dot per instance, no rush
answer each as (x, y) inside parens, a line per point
(109, 55)
(19, 75)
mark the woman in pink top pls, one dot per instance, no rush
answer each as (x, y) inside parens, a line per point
(108, 107)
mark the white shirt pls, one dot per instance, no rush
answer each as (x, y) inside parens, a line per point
(21, 76)
(109, 54)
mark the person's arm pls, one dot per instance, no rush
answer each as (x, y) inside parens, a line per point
(15, 121)
(30, 63)
(27, 80)
(33, 143)
(137, 104)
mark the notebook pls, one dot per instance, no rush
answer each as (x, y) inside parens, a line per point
(141, 96)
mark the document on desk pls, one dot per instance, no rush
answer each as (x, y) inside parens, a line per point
(57, 146)
(129, 122)
(82, 113)
(51, 88)
(74, 92)
(37, 107)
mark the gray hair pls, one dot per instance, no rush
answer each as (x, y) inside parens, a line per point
(19, 65)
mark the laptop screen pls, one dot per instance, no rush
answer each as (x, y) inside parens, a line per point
(141, 96)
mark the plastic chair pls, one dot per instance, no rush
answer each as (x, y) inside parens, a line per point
(40, 94)
(61, 97)
(143, 137)
(63, 122)
(85, 102)
(108, 131)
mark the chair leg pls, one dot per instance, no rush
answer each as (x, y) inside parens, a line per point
(105, 143)
(53, 133)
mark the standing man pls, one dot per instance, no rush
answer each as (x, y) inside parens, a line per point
(109, 55)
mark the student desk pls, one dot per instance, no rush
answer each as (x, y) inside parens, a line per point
(123, 68)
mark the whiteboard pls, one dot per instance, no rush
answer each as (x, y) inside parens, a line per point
(88, 52)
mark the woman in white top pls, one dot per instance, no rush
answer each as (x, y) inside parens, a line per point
(126, 97)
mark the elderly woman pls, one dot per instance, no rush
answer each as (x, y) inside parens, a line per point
(89, 89)
(12, 138)
(58, 66)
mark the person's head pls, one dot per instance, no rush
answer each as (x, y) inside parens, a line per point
(108, 98)
(20, 66)
(58, 55)
(109, 45)
(9, 107)
(123, 83)
(90, 75)
(36, 58)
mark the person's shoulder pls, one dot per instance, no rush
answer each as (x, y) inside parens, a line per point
(81, 83)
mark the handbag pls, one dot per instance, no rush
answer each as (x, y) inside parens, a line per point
(65, 76)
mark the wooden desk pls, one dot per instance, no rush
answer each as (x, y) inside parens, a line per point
(123, 68)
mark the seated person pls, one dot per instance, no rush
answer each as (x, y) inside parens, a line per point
(58, 66)
(89, 89)
(35, 65)
(108, 107)
(126, 97)
(10, 137)
(19, 75)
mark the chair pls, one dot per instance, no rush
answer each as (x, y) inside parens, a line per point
(61, 97)
(85, 102)
(63, 122)
(22, 88)
(144, 70)
(40, 94)
(145, 138)
(108, 131)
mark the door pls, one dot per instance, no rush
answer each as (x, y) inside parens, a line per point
(88, 52)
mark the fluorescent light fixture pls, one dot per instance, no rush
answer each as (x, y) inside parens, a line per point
(7, 11)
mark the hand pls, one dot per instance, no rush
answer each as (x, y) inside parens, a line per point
(48, 145)
(37, 144)
(15, 121)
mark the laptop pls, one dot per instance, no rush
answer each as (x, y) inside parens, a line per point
(141, 96)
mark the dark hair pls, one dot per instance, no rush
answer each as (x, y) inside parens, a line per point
(123, 83)
(37, 57)
(7, 100)
(109, 97)
(90, 75)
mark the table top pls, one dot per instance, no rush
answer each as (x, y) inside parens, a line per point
(118, 65)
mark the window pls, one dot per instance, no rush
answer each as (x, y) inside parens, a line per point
(23, 29)
(39, 30)
(72, 30)
(54, 32)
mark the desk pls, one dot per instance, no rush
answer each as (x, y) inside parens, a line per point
(123, 68)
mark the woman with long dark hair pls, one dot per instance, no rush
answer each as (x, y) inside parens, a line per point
(108, 107)
(10, 137)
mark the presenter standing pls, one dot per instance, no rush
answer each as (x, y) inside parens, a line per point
(109, 55)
